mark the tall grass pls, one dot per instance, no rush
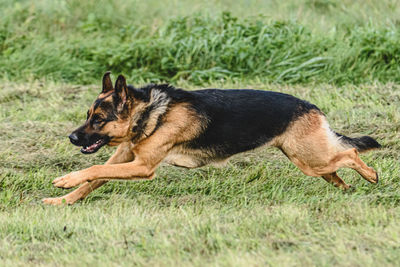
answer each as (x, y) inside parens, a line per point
(77, 42)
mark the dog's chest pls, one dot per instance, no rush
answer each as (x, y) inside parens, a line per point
(188, 158)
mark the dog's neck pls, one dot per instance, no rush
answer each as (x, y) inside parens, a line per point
(146, 116)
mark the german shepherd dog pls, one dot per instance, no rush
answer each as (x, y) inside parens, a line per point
(190, 129)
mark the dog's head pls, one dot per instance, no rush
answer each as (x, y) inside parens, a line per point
(107, 119)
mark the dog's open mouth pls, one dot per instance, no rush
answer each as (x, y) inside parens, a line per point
(94, 147)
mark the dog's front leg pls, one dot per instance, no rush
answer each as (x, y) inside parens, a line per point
(121, 155)
(148, 154)
(136, 170)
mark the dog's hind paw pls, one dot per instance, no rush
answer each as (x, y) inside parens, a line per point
(55, 201)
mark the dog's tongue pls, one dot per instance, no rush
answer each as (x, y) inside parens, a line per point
(92, 147)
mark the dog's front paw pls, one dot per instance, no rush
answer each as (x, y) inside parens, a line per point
(68, 181)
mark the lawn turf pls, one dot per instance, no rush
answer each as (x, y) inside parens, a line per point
(258, 209)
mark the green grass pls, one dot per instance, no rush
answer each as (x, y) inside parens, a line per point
(309, 41)
(259, 209)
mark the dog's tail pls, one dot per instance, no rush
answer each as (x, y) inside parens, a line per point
(362, 144)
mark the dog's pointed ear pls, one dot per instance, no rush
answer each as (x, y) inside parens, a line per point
(107, 83)
(121, 92)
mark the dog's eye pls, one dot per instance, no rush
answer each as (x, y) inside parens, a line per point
(97, 120)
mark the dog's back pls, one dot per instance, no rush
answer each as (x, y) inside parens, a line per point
(241, 120)
(236, 121)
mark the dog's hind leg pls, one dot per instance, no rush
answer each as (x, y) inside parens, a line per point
(123, 154)
(334, 179)
(326, 166)
(317, 151)
(349, 159)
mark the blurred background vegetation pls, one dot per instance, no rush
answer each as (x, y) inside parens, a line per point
(293, 41)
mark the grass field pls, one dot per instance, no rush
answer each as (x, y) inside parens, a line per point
(259, 209)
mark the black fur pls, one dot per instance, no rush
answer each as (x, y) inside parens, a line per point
(207, 126)
(109, 112)
(241, 120)
(235, 120)
(141, 124)
(362, 143)
(80, 138)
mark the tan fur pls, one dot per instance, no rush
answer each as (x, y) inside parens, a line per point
(107, 94)
(334, 179)
(121, 155)
(316, 151)
(118, 129)
(148, 153)
(308, 142)
(189, 158)
(156, 97)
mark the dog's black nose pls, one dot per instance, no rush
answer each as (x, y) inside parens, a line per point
(74, 138)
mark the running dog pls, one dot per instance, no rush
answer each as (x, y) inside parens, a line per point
(190, 129)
